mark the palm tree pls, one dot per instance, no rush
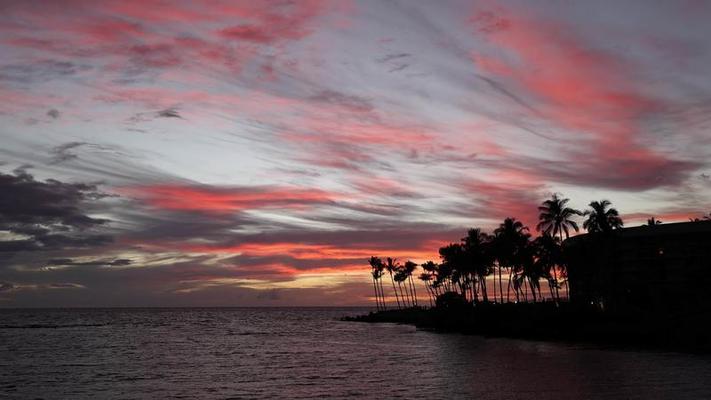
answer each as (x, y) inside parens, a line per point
(508, 240)
(377, 267)
(391, 265)
(451, 267)
(400, 277)
(549, 255)
(429, 276)
(409, 269)
(601, 218)
(480, 258)
(426, 277)
(555, 219)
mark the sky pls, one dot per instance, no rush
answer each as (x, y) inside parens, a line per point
(257, 153)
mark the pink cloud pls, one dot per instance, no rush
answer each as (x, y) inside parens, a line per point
(513, 195)
(234, 34)
(226, 200)
(592, 93)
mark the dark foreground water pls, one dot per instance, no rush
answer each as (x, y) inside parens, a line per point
(307, 353)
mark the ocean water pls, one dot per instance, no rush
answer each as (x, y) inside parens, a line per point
(307, 353)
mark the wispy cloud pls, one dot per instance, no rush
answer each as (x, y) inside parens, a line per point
(189, 153)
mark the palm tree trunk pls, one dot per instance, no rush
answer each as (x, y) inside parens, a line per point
(394, 290)
(508, 288)
(380, 293)
(473, 290)
(431, 293)
(375, 289)
(409, 294)
(501, 287)
(402, 297)
(567, 292)
(555, 273)
(411, 288)
(405, 296)
(429, 296)
(533, 289)
(414, 290)
(540, 296)
(494, 287)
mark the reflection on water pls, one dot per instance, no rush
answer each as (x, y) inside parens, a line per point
(306, 353)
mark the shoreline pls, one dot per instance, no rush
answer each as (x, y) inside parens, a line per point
(564, 323)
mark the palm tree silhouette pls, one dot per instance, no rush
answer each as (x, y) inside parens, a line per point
(601, 218)
(451, 267)
(509, 238)
(377, 267)
(391, 265)
(480, 258)
(549, 255)
(555, 218)
(409, 268)
(429, 276)
(400, 277)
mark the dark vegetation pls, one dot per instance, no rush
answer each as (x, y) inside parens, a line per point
(516, 261)
(490, 284)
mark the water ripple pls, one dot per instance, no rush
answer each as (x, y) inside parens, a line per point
(308, 353)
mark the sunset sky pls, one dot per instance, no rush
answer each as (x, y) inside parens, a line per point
(257, 153)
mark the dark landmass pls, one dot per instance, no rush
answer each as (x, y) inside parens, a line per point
(563, 322)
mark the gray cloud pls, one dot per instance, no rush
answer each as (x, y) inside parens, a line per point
(118, 262)
(47, 215)
(169, 113)
(62, 152)
(40, 71)
(53, 113)
(349, 102)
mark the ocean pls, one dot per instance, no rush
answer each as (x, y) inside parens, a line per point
(294, 353)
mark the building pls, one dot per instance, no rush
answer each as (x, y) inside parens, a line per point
(663, 268)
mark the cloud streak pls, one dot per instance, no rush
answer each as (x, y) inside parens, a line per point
(237, 153)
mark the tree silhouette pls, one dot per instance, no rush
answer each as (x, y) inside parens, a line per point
(556, 218)
(653, 221)
(549, 255)
(391, 266)
(601, 218)
(509, 238)
(429, 273)
(409, 269)
(400, 277)
(428, 276)
(465, 265)
(479, 257)
(377, 267)
(451, 267)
